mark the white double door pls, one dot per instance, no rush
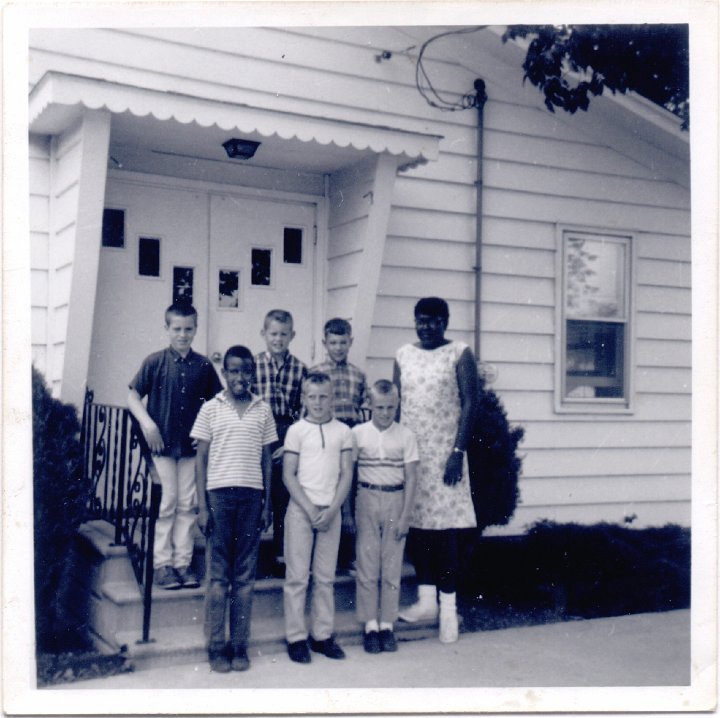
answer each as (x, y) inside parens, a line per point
(240, 255)
(262, 257)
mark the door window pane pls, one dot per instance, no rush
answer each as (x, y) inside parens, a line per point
(149, 256)
(182, 285)
(260, 273)
(113, 228)
(229, 288)
(292, 245)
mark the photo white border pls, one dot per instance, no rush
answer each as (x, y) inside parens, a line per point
(19, 694)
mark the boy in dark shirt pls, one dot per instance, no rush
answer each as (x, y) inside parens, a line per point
(176, 381)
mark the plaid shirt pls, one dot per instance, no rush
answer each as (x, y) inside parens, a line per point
(349, 390)
(280, 385)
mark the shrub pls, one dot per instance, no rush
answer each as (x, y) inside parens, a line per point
(493, 460)
(60, 495)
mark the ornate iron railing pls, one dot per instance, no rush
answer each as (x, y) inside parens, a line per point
(118, 462)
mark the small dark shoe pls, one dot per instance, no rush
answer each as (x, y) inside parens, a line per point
(371, 642)
(328, 648)
(240, 661)
(387, 641)
(187, 577)
(298, 652)
(166, 577)
(219, 661)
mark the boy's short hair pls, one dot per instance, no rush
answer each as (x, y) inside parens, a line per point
(239, 352)
(434, 307)
(180, 309)
(383, 387)
(316, 377)
(278, 315)
(339, 326)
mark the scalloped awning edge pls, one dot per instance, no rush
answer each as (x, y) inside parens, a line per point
(58, 97)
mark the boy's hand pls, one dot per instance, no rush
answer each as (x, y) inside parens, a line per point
(453, 469)
(278, 454)
(202, 520)
(402, 528)
(322, 520)
(265, 518)
(153, 437)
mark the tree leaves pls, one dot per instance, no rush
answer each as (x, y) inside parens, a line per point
(652, 60)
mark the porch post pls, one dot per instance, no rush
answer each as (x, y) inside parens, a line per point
(79, 170)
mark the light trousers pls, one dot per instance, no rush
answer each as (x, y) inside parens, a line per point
(307, 549)
(174, 539)
(379, 554)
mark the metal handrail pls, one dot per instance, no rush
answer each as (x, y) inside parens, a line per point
(119, 464)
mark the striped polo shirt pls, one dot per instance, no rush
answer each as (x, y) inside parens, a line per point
(236, 443)
(382, 455)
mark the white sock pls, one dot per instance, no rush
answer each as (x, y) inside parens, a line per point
(371, 626)
(385, 626)
(447, 601)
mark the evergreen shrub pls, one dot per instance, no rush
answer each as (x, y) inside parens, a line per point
(60, 495)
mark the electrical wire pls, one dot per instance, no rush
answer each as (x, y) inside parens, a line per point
(428, 92)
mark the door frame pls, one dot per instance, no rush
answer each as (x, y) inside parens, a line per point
(320, 238)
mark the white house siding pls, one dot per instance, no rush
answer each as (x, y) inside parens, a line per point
(540, 171)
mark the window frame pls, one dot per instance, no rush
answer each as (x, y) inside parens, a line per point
(599, 405)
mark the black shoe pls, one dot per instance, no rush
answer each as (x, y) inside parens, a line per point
(298, 652)
(371, 642)
(219, 661)
(187, 577)
(240, 661)
(387, 641)
(167, 577)
(328, 648)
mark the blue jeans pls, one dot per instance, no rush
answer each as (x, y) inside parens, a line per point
(234, 541)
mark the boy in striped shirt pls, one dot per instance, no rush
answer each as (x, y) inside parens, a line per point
(387, 463)
(234, 431)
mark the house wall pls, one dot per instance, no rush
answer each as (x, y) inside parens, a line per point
(540, 171)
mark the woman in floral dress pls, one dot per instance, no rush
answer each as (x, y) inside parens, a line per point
(437, 380)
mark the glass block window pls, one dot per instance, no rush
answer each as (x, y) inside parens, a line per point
(149, 256)
(261, 267)
(595, 331)
(113, 228)
(292, 245)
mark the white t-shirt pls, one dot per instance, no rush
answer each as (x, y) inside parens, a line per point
(235, 455)
(382, 455)
(319, 447)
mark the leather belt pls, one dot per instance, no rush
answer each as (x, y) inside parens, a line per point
(380, 487)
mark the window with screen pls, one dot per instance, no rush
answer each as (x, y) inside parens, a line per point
(595, 329)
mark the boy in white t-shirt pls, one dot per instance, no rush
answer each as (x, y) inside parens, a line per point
(234, 432)
(317, 471)
(387, 461)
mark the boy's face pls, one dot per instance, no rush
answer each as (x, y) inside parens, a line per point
(338, 346)
(317, 401)
(278, 336)
(181, 332)
(384, 408)
(239, 374)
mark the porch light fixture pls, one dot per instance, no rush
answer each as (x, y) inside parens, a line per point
(238, 149)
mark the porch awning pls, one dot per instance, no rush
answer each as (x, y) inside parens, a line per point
(58, 100)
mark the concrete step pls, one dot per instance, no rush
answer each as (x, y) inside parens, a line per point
(185, 643)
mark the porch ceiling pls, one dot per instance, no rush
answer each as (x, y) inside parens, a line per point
(171, 125)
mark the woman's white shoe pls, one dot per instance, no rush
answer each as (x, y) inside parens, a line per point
(426, 608)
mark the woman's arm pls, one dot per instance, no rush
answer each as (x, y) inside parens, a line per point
(397, 380)
(467, 386)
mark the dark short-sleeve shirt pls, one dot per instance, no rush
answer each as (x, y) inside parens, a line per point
(176, 388)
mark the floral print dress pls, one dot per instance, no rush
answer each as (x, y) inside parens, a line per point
(430, 406)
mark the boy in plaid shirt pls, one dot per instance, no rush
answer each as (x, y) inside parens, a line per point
(349, 394)
(279, 378)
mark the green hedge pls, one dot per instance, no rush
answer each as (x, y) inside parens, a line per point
(60, 495)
